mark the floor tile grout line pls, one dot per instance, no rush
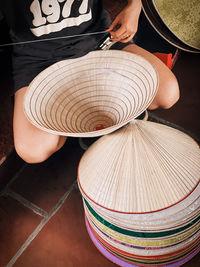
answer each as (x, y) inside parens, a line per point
(28, 241)
(13, 179)
(26, 203)
(40, 226)
(61, 201)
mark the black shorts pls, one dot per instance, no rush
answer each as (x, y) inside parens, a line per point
(27, 67)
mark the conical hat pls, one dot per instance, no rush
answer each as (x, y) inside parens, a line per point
(132, 241)
(143, 167)
(157, 23)
(92, 95)
(124, 263)
(179, 214)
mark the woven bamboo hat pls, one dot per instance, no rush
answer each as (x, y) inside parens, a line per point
(92, 95)
(153, 257)
(128, 241)
(172, 217)
(145, 244)
(124, 261)
(176, 29)
(143, 167)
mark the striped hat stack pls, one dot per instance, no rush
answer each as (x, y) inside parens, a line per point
(141, 195)
(140, 181)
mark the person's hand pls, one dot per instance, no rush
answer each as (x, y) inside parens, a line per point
(125, 25)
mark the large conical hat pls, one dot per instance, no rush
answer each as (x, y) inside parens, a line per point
(182, 18)
(175, 216)
(158, 24)
(123, 261)
(131, 241)
(92, 95)
(143, 167)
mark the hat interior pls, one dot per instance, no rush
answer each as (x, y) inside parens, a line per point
(88, 96)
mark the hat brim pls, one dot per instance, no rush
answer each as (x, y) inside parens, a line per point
(161, 28)
(92, 95)
(182, 18)
(141, 168)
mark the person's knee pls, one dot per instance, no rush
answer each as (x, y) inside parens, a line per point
(35, 154)
(169, 95)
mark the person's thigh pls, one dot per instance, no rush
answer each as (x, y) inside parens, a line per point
(168, 89)
(32, 144)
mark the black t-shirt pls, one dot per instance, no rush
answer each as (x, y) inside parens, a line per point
(38, 19)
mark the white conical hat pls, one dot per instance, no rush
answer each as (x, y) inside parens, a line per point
(140, 168)
(121, 259)
(92, 95)
(179, 214)
(130, 240)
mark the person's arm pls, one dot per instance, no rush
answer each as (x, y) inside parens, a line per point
(125, 25)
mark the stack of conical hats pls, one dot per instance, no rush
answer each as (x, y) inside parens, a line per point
(178, 22)
(140, 182)
(141, 195)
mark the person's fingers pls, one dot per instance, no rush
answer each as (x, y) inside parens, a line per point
(119, 36)
(121, 31)
(113, 25)
(117, 31)
(122, 34)
(126, 40)
(125, 37)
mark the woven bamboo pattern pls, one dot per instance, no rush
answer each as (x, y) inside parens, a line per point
(175, 216)
(125, 261)
(92, 95)
(147, 166)
(141, 195)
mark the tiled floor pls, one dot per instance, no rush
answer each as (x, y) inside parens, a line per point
(41, 212)
(42, 218)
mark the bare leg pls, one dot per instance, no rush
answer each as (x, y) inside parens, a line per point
(168, 90)
(32, 144)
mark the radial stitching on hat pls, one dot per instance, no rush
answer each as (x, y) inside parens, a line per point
(61, 65)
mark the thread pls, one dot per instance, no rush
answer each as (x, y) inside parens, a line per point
(53, 38)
